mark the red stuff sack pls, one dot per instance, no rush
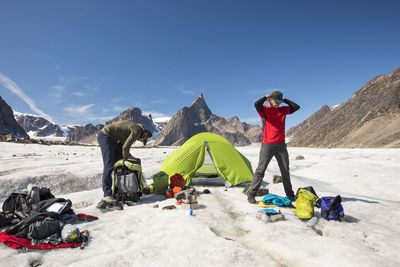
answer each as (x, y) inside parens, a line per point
(176, 180)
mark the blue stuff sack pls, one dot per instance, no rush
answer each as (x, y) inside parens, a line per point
(331, 208)
(277, 200)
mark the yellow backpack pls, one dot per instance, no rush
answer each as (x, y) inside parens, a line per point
(305, 203)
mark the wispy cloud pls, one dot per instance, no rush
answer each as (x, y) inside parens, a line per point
(158, 101)
(78, 110)
(119, 108)
(186, 91)
(57, 91)
(14, 88)
(71, 78)
(79, 94)
(86, 114)
(155, 114)
(102, 119)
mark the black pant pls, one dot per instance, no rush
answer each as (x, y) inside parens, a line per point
(111, 152)
(267, 151)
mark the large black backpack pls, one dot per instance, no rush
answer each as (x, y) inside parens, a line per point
(128, 180)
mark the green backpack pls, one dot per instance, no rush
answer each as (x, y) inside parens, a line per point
(305, 203)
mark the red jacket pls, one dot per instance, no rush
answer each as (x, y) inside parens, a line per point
(273, 120)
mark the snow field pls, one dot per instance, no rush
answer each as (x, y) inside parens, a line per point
(224, 231)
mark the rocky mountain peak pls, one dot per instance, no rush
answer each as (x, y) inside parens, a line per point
(234, 119)
(8, 124)
(135, 114)
(84, 134)
(88, 133)
(200, 107)
(198, 118)
(41, 126)
(396, 71)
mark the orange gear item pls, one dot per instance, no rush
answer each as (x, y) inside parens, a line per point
(176, 190)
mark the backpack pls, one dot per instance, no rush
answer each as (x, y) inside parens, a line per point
(331, 208)
(17, 204)
(305, 203)
(128, 180)
(21, 229)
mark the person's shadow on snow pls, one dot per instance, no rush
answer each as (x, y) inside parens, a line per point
(147, 199)
(345, 199)
(345, 219)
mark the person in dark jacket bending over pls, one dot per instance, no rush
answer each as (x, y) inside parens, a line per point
(273, 141)
(115, 141)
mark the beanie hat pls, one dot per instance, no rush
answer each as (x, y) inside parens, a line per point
(277, 96)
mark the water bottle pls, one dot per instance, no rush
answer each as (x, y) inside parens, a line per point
(312, 222)
(70, 233)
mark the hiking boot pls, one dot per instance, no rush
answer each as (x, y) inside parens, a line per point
(252, 199)
(101, 205)
(129, 203)
(115, 206)
(109, 200)
(262, 192)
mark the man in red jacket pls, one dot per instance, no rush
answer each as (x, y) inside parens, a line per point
(273, 141)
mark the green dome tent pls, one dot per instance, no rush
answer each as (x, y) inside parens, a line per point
(226, 162)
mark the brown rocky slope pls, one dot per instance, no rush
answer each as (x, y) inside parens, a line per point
(370, 118)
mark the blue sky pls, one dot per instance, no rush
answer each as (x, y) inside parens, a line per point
(80, 62)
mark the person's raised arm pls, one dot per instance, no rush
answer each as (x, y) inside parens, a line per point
(259, 104)
(293, 106)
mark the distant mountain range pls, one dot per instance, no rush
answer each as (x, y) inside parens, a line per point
(187, 122)
(370, 118)
(36, 126)
(198, 118)
(88, 132)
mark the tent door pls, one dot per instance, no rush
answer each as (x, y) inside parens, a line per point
(208, 173)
